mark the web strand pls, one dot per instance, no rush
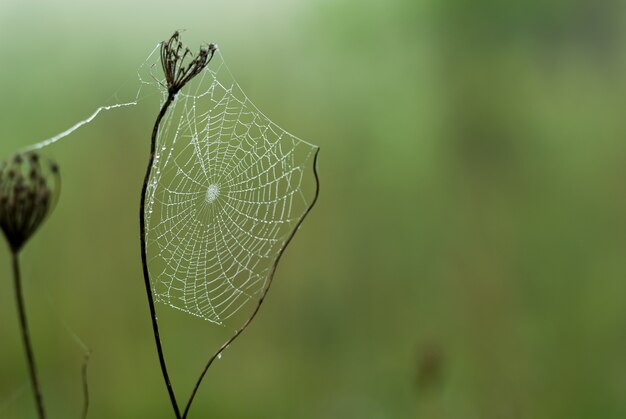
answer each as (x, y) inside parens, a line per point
(135, 101)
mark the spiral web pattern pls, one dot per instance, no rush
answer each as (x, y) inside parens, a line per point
(225, 194)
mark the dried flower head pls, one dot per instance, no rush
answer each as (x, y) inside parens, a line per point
(29, 189)
(179, 63)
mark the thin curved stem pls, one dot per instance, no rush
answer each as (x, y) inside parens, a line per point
(85, 382)
(263, 294)
(144, 259)
(28, 349)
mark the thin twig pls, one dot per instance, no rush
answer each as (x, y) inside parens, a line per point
(263, 294)
(28, 349)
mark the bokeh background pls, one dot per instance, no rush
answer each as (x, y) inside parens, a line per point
(467, 256)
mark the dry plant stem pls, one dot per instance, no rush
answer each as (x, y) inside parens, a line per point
(177, 75)
(144, 260)
(85, 385)
(263, 294)
(28, 349)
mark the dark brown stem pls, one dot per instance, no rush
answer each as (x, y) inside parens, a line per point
(263, 294)
(144, 260)
(28, 349)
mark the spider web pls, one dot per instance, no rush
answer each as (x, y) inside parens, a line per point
(226, 191)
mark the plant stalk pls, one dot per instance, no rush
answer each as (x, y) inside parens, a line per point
(83, 372)
(144, 259)
(28, 348)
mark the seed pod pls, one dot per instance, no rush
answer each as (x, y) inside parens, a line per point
(28, 192)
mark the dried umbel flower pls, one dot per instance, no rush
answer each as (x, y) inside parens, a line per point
(177, 71)
(29, 189)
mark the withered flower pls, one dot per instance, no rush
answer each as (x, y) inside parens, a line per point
(29, 189)
(179, 63)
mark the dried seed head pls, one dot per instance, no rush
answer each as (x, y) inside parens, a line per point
(180, 65)
(28, 193)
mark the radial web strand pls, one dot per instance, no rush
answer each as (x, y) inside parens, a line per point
(226, 191)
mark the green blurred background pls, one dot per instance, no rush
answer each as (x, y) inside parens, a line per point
(467, 256)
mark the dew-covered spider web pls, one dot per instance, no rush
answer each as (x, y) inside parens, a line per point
(227, 189)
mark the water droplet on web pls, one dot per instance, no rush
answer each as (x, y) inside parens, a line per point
(219, 356)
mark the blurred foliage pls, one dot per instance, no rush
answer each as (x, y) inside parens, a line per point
(466, 257)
